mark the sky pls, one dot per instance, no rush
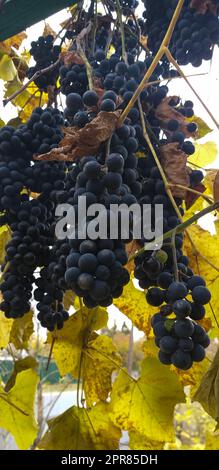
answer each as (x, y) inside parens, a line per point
(206, 85)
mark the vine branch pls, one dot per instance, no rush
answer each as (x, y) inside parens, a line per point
(32, 79)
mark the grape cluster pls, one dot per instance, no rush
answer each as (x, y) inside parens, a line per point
(181, 340)
(45, 53)
(73, 79)
(40, 265)
(41, 133)
(194, 36)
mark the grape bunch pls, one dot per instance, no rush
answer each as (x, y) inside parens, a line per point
(45, 53)
(41, 266)
(181, 340)
(194, 36)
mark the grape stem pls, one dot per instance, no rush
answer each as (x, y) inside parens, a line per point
(119, 12)
(166, 184)
(179, 229)
(180, 186)
(50, 353)
(175, 265)
(32, 79)
(156, 60)
(173, 61)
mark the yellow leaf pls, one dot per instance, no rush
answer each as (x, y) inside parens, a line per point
(17, 409)
(212, 441)
(208, 391)
(138, 441)
(69, 298)
(21, 331)
(81, 429)
(19, 366)
(5, 236)
(7, 69)
(78, 350)
(27, 100)
(203, 128)
(133, 304)
(2, 124)
(186, 377)
(100, 360)
(192, 376)
(147, 405)
(13, 41)
(5, 328)
(207, 245)
(204, 154)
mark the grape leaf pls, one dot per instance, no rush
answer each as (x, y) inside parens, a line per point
(146, 406)
(21, 331)
(7, 68)
(212, 441)
(138, 441)
(208, 391)
(68, 300)
(13, 42)
(204, 155)
(80, 351)
(207, 245)
(203, 128)
(5, 329)
(86, 141)
(81, 429)
(19, 366)
(133, 304)
(17, 409)
(5, 236)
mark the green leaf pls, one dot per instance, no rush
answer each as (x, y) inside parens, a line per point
(204, 155)
(203, 128)
(146, 406)
(81, 429)
(17, 409)
(21, 331)
(2, 124)
(7, 69)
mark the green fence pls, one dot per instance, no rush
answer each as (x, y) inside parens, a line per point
(50, 376)
(17, 15)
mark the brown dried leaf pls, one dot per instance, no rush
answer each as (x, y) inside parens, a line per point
(81, 142)
(173, 160)
(70, 58)
(103, 19)
(202, 6)
(130, 249)
(164, 112)
(48, 30)
(191, 197)
(144, 41)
